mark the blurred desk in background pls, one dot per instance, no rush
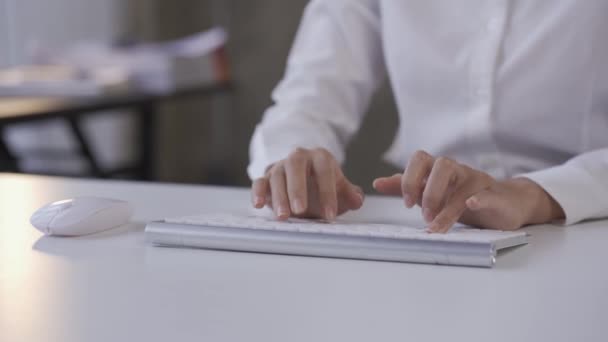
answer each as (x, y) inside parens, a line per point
(15, 110)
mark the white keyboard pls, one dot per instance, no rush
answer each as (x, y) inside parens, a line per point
(341, 239)
(374, 230)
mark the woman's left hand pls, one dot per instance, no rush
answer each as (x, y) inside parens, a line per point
(449, 192)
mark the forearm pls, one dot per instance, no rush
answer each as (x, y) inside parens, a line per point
(334, 67)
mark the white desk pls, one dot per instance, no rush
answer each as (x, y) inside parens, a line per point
(113, 287)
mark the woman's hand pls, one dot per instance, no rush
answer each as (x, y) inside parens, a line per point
(449, 192)
(308, 183)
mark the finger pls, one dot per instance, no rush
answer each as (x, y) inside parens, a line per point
(389, 185)
(351, 196)
(449, 215)
(412, 182)
(325, 175)
(435, 193)
(296, 170)
(259, 189)
(278, 190)
(357, 197)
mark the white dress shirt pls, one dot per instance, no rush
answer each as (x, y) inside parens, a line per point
(510, 87)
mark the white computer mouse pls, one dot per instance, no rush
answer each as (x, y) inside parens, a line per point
(81, 216)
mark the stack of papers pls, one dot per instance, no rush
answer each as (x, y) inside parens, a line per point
(91, 68)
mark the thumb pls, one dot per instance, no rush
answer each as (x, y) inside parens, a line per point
(485, 199)
(389, 185)
(353, 195)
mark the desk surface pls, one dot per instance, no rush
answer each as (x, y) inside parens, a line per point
(113, 287)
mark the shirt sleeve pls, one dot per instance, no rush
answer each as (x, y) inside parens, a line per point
(580, 186)
(335, 65)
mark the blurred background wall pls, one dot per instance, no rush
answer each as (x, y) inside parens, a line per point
(202, 140)
(28, 23)
(27, 26)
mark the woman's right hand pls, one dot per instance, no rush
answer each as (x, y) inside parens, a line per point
(308, 183)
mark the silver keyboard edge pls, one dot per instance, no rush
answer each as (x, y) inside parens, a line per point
(321, 245)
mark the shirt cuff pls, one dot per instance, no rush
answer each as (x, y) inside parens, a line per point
(572, 188)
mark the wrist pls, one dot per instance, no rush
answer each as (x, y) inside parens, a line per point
(537, 205)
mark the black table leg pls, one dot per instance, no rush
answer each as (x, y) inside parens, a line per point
(147, 120)
(8, 162)
(85, 148)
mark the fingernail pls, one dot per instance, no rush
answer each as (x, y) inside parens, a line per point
(258, 200)
(361, 197)
(282, 212)
(408, 200)
(298, 206)
(434, 228)
(473, 202)
(330, 214)
(428, 216)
